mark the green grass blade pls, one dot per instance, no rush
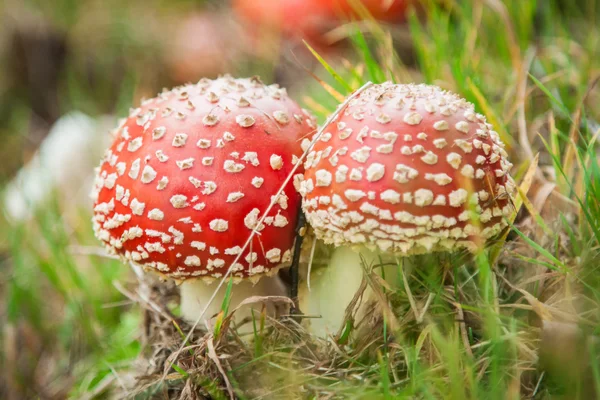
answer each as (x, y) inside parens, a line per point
(329, 69)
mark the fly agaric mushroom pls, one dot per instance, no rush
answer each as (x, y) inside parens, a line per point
(406, 169)
(189, 175)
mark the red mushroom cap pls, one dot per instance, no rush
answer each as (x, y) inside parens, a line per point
(408, 169)
(190, 173)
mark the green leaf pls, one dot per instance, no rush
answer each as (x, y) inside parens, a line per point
(329, 69)
(180, 370)
(540, 249)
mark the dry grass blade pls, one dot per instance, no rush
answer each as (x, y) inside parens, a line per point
(545, 311)
(351, 308)
(526, 182)
(534, 213)
(411, 300)
(524, 141)
(263, 299)
(460, 321)
(91, 250)
(569, 158)
(518, 202)
(383, 302)
(212, 354)
(538, 307)
(425, 307)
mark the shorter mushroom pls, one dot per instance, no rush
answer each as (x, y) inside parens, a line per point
(406, 169)
(188, 178)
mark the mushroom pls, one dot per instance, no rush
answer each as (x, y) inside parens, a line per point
(188, 177)
(405, 169)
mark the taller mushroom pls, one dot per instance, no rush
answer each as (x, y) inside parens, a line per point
(406, 169)
(187, 179)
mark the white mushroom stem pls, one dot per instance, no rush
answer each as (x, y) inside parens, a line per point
(195, 294)
(332, 289)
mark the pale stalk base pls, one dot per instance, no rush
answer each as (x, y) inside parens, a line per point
(333, 288)
(196, 293)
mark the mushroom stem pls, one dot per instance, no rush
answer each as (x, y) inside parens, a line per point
(332, 289)
(196, 293)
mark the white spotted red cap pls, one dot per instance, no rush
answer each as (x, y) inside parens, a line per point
(190, 173)
(407, 169)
